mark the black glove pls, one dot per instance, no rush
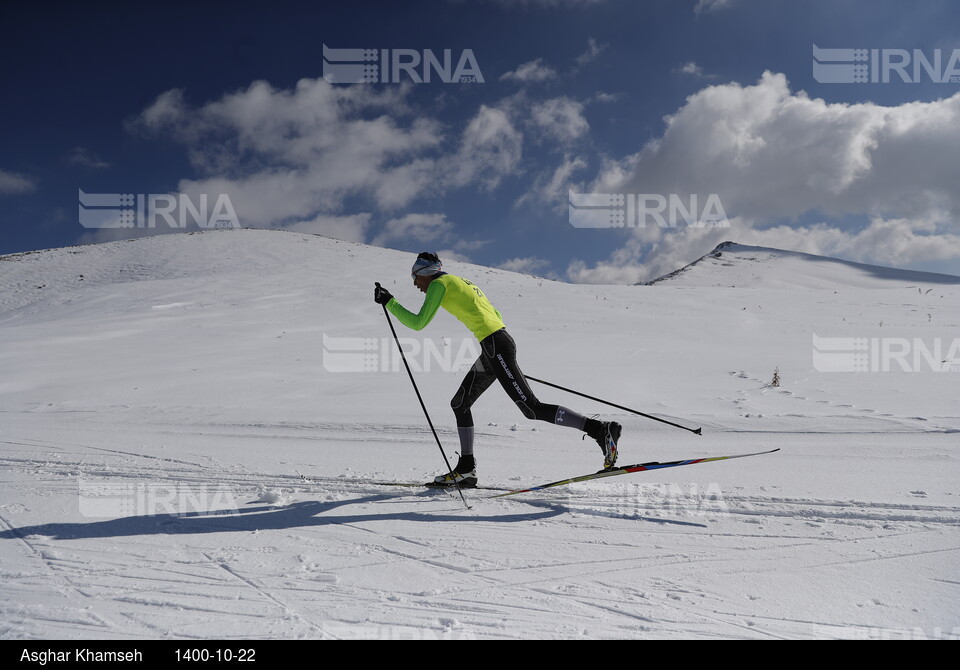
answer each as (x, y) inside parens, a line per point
(381, 296)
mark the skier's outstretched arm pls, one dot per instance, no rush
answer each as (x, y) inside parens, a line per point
(431, 303)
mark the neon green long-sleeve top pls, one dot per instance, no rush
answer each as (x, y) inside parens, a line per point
(458, 296)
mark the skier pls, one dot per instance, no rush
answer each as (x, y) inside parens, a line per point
(497, 361)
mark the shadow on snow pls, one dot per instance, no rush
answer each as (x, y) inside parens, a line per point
(264, 517)
(304, 514)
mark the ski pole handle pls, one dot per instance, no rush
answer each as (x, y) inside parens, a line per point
(381, 295)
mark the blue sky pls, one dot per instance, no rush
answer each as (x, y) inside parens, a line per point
(668, 98)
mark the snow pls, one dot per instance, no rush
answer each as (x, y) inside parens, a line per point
(160, 400)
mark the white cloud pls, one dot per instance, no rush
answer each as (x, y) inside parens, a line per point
(490, 149)
(901, 243)
(604, 97)
(591, 54)
(292, 157)
(168, 109)
(297, 154)
(451, 255)
(560, 119)
(531, 72)
(350, 228)
(526, 265)
(559, 126)
(433, 228)
(12, 183)
(769, 153)
(551, 187)
(772, 156)
(652, 252)
(693, 70)
(606, 272)
(712, 6)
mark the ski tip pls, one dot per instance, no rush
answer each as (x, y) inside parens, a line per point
(698, 431)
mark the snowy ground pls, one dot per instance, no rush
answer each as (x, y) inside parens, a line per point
(160, 399)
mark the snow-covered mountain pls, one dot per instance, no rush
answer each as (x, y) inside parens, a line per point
(161, 398)
(737, 265)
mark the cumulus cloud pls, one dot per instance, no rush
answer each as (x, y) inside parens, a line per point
(769, 153)
(772, 156)
(295, 157)
(287, 155)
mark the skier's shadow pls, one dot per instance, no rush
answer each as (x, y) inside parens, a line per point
(308, 513)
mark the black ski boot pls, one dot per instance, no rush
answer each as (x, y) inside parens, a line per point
(607, 435)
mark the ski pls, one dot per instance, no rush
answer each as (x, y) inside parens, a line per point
(503, 492)
(627, 469)
(432, 487)
(410, 485)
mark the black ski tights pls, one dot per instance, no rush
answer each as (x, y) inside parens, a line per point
(498, 361)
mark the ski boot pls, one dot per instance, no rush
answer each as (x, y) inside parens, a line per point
(464, 475)
(607, 434)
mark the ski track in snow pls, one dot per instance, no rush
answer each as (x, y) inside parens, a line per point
(329, 558)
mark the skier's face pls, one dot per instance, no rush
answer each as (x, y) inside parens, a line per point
(422, 283)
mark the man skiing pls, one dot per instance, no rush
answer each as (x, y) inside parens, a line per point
(497, 361)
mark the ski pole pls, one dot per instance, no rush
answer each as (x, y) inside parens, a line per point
(420, 398)
(696, 431)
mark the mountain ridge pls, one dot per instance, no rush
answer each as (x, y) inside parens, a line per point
(811, 270)
(729, 264)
